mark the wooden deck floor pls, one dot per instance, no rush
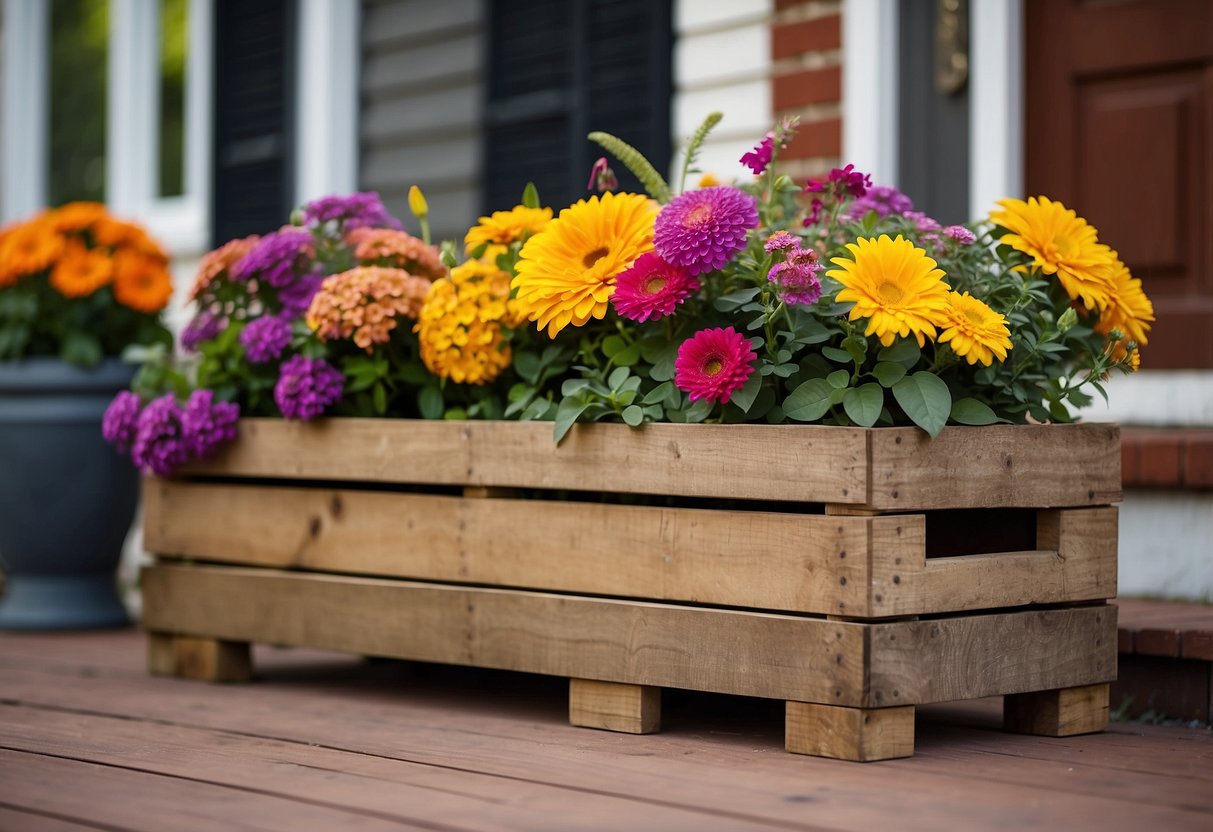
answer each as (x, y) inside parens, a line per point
(322, 742)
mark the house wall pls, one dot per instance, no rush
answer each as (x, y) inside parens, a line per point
(420, 119)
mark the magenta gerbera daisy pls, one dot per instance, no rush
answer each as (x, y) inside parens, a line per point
(714, 364)
(651, 288)
(704, 229)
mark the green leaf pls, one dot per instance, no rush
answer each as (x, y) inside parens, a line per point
(538, 409)
(733, 300)
(699, 411)
(429, 401)
(628, 356)
(528, 366)
(856, 347)
(889, 373)
(970, 411)
(618, 376)
(658, 393)
(80, 348)
(904, 351)
(925, 399)
(567, 413)
(530, 195)
(694, 143)
(633, 415)
(863, 404)
(744, 398)
(809, 401)
(573, 386)
(836, 355)
(612, 344)
(839, 379)
(663, 370)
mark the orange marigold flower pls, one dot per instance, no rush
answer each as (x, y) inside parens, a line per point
(363, 304)
(81, 271)
(116, 234)
(28, 249)
(396, 249)
(76, 216)
(222, 259)
(140, 282)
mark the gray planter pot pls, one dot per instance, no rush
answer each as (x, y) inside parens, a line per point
(67, 499)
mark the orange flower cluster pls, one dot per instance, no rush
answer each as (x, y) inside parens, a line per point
(215, 263)
(84, 249)
(397, 249)
(363, 304)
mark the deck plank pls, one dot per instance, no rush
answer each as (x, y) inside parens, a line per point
(421, 727)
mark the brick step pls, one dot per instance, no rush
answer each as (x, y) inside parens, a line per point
(1166, 660)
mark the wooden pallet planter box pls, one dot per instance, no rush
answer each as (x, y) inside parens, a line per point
(853, 573)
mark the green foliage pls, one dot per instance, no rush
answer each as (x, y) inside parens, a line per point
(696, 141)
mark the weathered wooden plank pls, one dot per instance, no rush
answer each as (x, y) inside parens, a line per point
(968, 657)
(850, 566)
(1032, 466)
(727, 651)
(642, 643)
(117, 798)
(393, 789)
(1002, 465)
(1075, 560)
(610, 706)
(862, 735)
(781, 462)
(1058, 713)
(763, 560)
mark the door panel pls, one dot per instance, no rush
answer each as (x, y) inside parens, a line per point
(1119, 111)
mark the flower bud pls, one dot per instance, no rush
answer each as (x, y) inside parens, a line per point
(602, 178)
(1067, 320)
(417, 203)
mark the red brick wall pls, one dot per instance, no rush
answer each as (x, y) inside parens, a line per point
(806, 81)
(1167, 458)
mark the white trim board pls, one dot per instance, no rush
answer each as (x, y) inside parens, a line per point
(326, 126)
(24, 108)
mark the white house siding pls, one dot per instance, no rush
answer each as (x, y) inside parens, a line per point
(722, 62)
(420, 120)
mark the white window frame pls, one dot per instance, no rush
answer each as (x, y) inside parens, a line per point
(181, 223)
(870, 105)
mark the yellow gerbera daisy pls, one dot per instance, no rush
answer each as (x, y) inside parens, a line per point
(566, 275)
(1128, 309)
(895, 285)
(976, 332)
(505, 227)
(1059, 242)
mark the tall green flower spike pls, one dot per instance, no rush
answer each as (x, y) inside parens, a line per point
(634, 160)
(694, 144)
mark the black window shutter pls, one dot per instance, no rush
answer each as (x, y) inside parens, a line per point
(254, 113)
(561, 68)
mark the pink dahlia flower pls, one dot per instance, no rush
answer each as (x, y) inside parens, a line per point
(651, 288)
(714, 364)
(702, 230)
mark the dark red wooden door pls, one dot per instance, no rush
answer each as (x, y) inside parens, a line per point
(1119, 112)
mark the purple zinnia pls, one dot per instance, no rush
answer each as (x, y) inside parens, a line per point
(207, 424)
(760, 157)
(265, 338)
(883, 200)
(297, 297)
(362, 210)
(960, 234)
(120, 421)
(781, 240)
(159, 445)
(307, 387)
(702, 230)
(275, 257)
(202, 327)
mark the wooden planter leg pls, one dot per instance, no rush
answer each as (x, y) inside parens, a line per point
(632, 709)
(205, 659)
(1057, 713)
(859, 734)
